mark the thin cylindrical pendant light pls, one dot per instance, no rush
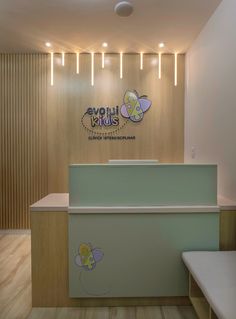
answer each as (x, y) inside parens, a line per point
(159, 65)
(121, 65)
(63, 58)
(103, 60)
(141, 61)
(77, 63)
(176, 69)
(92, 68)
(52, 68)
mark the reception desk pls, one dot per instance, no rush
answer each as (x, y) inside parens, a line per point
(118, 237)
(138, 219)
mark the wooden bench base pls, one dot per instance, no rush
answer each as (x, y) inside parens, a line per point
(199, 302)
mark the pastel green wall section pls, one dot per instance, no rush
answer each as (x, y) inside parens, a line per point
(140, 185)
(142, 252)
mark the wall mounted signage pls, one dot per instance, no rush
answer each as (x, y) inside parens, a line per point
(134, 106)
(104, 121)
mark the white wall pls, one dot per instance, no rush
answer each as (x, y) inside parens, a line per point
(210, 105)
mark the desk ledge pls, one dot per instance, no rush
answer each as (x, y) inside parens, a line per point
(142, 209)
(60, 202)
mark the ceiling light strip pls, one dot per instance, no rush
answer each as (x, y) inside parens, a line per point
(141, 61)
(176, 69)
(103, 60)
(63, 58)
(92, 68)
(159, 65)
(52, 68)
(77, 63)
(121, 65)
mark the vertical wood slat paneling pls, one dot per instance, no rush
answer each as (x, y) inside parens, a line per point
(37, 143)
(23, 144)
(160, 135)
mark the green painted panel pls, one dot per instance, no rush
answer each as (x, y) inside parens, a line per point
(140, 185)
(142, 252)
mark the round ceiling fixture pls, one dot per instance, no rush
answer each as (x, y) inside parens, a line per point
(123, 9)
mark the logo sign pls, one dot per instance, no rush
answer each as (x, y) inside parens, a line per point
(134, 106)
(107, 120)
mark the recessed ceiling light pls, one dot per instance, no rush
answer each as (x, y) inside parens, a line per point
(161, 45)
(48, 44)
(105, 44)
(123, 9)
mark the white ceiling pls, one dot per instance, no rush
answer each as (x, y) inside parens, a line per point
(71, 25)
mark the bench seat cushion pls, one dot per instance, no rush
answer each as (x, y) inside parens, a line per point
(215, 273)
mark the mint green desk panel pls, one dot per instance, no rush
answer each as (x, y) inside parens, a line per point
(140, 185)
(142, 252)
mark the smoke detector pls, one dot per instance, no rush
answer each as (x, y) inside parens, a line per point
(123, 9)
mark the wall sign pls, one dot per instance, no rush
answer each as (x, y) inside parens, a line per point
(104, 121)
(134, 106)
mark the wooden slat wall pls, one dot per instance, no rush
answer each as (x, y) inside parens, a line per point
(160, 135)
(40, 125)
(23, 143)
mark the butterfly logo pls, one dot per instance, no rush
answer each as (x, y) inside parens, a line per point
(88, 256)
(134, 106)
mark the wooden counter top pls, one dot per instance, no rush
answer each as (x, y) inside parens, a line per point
(60, 202)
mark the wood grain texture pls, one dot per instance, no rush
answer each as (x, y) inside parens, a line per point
(178, 313)
(149, 313)
(201, 307)
(114, 313)
(194, 290)
(50, 285)
(41, 132)
(23, 145)
(213, 315)
(199, 302)
(187, 312)
(15, 280)
(160, 135)
(49, 259)
(228, 230)
(15, 291)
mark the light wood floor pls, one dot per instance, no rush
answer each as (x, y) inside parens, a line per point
(15, 292)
